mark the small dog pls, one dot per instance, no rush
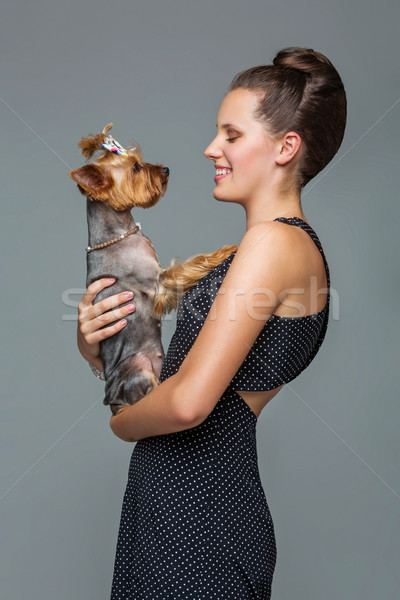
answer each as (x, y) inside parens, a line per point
(113, 184)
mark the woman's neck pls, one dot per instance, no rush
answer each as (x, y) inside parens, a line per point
(268, 209)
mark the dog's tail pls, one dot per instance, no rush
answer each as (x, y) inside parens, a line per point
(175, 281)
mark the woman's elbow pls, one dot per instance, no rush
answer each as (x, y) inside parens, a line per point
(187, 409)
(121, 436)
(118, 429)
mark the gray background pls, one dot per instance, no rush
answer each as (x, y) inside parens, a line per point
(328, 445)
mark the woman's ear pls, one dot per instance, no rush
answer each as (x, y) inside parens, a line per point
(290, 145)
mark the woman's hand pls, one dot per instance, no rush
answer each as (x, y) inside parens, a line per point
(92, 317)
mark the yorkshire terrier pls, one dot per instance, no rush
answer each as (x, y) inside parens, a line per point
(113, 183)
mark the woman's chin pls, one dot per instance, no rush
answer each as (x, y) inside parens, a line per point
(218, 195)
(222, 197)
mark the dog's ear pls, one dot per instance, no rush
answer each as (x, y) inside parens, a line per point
(91, 179)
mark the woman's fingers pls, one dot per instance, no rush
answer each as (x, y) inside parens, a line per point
(97, 335)
(93, 289)
(94, 316)
(105, 318)
(106, 309)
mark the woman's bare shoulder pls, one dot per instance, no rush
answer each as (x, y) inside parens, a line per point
(269, 241)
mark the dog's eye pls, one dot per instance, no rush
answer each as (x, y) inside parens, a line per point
(136, 167)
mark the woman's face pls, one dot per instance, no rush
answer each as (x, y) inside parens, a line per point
(241, 148)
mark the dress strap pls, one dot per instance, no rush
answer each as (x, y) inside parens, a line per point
(296, 221)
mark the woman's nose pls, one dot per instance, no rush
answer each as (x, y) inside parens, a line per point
(213, 151)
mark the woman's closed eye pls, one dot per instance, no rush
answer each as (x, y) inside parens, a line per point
(232, 136)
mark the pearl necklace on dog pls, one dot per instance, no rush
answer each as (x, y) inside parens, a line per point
(114, 241)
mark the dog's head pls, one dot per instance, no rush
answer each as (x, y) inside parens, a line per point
(119, 177)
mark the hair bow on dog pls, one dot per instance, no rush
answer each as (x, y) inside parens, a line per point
(112, 145)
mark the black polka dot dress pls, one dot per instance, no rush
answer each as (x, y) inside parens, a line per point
(195, 522)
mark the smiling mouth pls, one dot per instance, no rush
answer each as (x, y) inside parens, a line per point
(221, 173)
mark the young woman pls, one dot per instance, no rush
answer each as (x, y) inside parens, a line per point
(195, 522)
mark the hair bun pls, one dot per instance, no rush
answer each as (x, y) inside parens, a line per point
(302, 59)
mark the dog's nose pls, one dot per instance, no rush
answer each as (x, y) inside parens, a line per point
(165, 170)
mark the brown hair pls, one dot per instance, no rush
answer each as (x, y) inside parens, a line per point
(302, 92)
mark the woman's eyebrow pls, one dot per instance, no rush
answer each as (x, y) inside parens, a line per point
(227, 125)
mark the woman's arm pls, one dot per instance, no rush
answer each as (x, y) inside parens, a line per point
(253, 287)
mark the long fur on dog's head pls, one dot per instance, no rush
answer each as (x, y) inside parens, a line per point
(90, 144)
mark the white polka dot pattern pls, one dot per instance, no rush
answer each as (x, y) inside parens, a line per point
(195, 522)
